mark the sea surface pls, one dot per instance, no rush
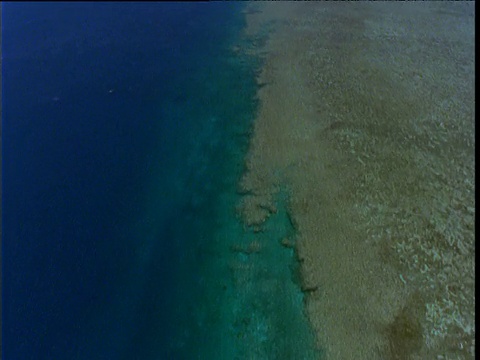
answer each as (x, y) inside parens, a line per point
(125, 126)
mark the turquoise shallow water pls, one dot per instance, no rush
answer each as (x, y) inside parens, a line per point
(125, 130)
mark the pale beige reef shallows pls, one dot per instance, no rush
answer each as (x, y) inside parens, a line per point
(366, 116)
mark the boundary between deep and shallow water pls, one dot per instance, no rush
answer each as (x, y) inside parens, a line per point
(260, 312)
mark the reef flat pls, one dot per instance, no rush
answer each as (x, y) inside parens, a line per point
(366, 117)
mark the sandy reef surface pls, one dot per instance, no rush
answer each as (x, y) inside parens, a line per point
(366, 117)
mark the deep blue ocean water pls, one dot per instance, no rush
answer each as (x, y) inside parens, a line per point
(121, 124)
